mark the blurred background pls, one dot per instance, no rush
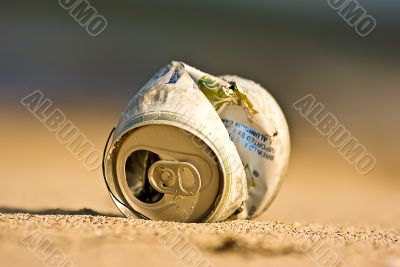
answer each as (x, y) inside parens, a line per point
(291, 47)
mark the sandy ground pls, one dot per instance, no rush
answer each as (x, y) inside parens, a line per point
(85, 240)
(326, 214)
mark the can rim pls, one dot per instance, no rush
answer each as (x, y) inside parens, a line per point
(182, 122)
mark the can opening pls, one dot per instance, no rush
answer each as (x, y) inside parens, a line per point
(162, 180)
(136, 169)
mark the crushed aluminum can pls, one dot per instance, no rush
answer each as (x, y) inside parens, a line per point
(192, 147)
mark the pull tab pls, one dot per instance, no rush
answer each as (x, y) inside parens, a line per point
(174, 177)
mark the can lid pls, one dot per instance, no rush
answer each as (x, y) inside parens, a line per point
(167, 173)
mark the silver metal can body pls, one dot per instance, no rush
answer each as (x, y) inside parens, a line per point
(262, 141)
(192, 147)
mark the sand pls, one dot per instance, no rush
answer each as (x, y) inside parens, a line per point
(94, 240)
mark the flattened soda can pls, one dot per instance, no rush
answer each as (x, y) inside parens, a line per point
(192, 147)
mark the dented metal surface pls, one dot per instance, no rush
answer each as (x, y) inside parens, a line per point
(193, 147)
